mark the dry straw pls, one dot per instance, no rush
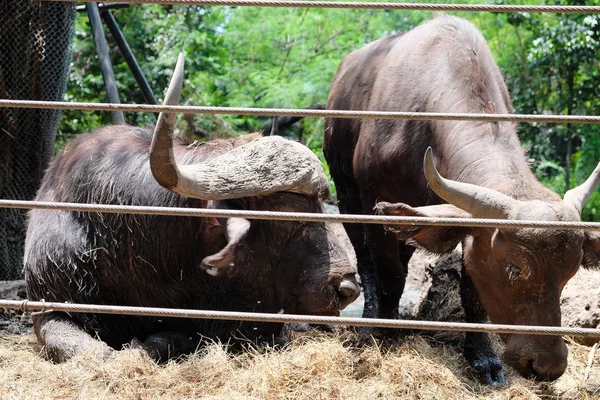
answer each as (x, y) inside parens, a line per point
(313, 366)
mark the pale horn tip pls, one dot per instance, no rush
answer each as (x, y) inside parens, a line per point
(431, 172)
(174, 90)
(162, 159)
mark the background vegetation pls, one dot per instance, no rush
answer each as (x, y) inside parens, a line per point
(286, 57)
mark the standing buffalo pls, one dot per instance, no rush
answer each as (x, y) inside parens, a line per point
(180, 262)
(518, 274)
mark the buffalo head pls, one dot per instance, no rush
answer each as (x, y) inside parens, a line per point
(519, 273)
(307, 270)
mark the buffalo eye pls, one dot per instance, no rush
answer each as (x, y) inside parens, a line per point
(513, 272)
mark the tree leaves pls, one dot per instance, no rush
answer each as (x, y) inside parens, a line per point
(286, 57)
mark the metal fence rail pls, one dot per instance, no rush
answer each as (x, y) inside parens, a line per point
(369, 5)
(301, 216)
(531, 118)
(27, 305)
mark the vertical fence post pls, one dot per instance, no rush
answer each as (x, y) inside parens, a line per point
(103, 57)
(127, 54)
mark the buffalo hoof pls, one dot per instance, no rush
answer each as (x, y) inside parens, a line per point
(487, 367)
(164, 346)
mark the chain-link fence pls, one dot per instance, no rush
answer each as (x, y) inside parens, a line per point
(35, 52)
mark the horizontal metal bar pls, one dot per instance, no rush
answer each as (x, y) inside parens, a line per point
(371, 5)
(270, 112)
(300, 216)
(27, 305)
(102, 6)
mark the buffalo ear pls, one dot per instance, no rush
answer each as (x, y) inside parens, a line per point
(236, 230)
(591, 250)
(436, 239)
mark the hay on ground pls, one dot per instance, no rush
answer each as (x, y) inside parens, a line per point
(313, 365)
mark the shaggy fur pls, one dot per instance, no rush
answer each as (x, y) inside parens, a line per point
(154, 261)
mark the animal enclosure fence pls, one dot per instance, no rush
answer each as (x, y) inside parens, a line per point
(27, 103)
(35, 52)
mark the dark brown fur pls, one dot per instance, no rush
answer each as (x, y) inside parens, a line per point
(446, 66)
(155, 261)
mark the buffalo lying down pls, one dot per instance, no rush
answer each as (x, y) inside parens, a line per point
(180, 262)
(446, 66)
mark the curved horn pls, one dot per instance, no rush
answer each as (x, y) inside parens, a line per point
(479, 201)
(162, 159)
(263, 166)
(578, 196)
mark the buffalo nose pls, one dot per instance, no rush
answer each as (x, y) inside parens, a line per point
(348, 290)
(544, 359)
(548, 372)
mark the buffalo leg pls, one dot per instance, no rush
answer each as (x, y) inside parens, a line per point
(63, 338)
(366, 269)
(349, 202)
(389, 267)
(478, 348)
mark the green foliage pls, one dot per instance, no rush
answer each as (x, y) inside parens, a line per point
(286, 57)
(559, 75)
